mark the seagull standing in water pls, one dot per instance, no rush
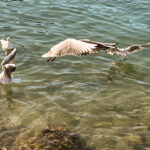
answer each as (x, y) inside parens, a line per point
(6, 45)
(8, 67)
(76, 47)
(129, 50)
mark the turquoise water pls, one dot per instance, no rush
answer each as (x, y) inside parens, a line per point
(104, 100)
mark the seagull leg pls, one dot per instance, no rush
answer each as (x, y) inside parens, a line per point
(125, 57)
(51, 59)
(118, 58)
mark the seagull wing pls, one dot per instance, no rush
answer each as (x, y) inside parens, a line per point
(95, 42)
(9, 59)
(113, 50)
(71, 47)
(136, 48)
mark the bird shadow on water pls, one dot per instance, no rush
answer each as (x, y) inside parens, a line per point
(122, 69)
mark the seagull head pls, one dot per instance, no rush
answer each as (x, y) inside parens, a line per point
(124, 54)
(8, 38)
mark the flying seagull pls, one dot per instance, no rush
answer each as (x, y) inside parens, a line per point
(76, 47)
(6, 45)
(129, 50)
(8, 67)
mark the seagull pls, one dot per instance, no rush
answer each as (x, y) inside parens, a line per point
(6, 45)
(8, 67)
(129, 50)
(76, 47)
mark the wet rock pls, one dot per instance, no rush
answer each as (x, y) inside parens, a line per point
(148, 129)
(53, 138)
(3, 148)
(133, 139)
(145, 139)
(140, 128)
(121, 145)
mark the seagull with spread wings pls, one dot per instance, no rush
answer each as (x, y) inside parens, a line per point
(8, 67)
(76, 47)
(129, 50)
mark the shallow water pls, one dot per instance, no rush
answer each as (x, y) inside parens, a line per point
(104, 100)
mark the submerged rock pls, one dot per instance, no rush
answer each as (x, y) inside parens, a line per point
(53, 138)
(3, 148)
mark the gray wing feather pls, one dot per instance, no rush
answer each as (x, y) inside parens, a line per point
(136, 48)
(9, 59)
(113, 50)
(95, 42)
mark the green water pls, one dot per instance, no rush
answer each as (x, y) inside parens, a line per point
(106, 101)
